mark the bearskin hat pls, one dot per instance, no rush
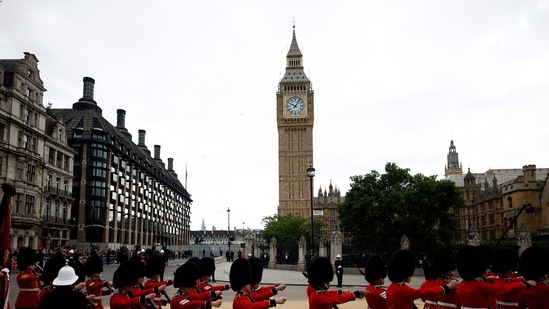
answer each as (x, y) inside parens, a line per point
(470, 263)
(376, 267)
(401, 265)
(126, 274)
(138, 266)
(198, 262)
(533, 262)
(94, 264)
(428, 267)
(26, 257)
(154, 266)
(240, 274)
(257, 269)
(209, 266)
(320, 271)
(186, 275)
(52, 267)
(443, 261)
(504, 259)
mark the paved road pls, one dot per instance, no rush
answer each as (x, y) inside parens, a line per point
(295, 292)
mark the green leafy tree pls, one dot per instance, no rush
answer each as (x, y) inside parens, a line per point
(380, 208)
(288, 229)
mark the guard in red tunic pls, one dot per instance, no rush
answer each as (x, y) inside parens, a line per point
(27, 280)
(474, 291)
(207, 268)
(400, 271)
(444, 266)
(320, 274)
(95, 285)
(50, 272)
(124, 278)
(138, 288)
(258, 292)
(505, 266)
(153, 271)
(375, 272)
(186, 277)
(534, 266)
(430, 281)
(240, 277)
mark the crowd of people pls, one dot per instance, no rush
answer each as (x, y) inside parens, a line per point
(497, 280)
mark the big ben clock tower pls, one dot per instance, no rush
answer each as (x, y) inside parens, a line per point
(295, 117)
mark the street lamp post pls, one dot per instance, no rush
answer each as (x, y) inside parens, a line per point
(311, 174)
(229, 229)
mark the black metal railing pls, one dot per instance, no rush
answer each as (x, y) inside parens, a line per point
(57, 191)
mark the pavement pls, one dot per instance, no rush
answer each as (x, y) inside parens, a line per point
(295, 281)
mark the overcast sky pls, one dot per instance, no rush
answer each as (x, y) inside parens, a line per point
(394, 81)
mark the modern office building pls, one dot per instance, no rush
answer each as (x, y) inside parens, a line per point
(123, 195)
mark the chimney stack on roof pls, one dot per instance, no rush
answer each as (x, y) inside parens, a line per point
(141, 138)
(89, 83)
(120, 119)
(157, 152)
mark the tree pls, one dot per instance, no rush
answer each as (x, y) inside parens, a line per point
(288, 229)
(380, 208)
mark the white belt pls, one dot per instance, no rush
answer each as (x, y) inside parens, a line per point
(30, 290)
(158, 298)
(97, 297)
(446, 304)
(505, 303)
(430, 302)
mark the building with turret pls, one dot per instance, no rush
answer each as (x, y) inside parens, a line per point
(495, 197)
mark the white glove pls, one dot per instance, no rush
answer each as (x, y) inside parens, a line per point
(5, 270)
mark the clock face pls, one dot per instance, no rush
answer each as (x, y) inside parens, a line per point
(295, 106)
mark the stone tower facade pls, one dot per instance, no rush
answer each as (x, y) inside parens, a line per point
(328, 201)
(295, 118)
(453, 166)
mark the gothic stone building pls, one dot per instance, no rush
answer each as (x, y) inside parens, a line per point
(494, 197)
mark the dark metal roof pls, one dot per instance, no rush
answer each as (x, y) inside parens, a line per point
(89, 121)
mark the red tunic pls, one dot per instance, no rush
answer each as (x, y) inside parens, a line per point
(507, 300)
(29, 290)
(244, 301)
(430, 301)
(326, 299)
(477, 293)
(402, 296)
(377, 298)
(205, 286)
(446, 301)
(536, 297)
(158, 296)
(263, 292)
(123, 299)
(95, 287)
(183, 300)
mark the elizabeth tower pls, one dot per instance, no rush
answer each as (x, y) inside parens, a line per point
(295, 117)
